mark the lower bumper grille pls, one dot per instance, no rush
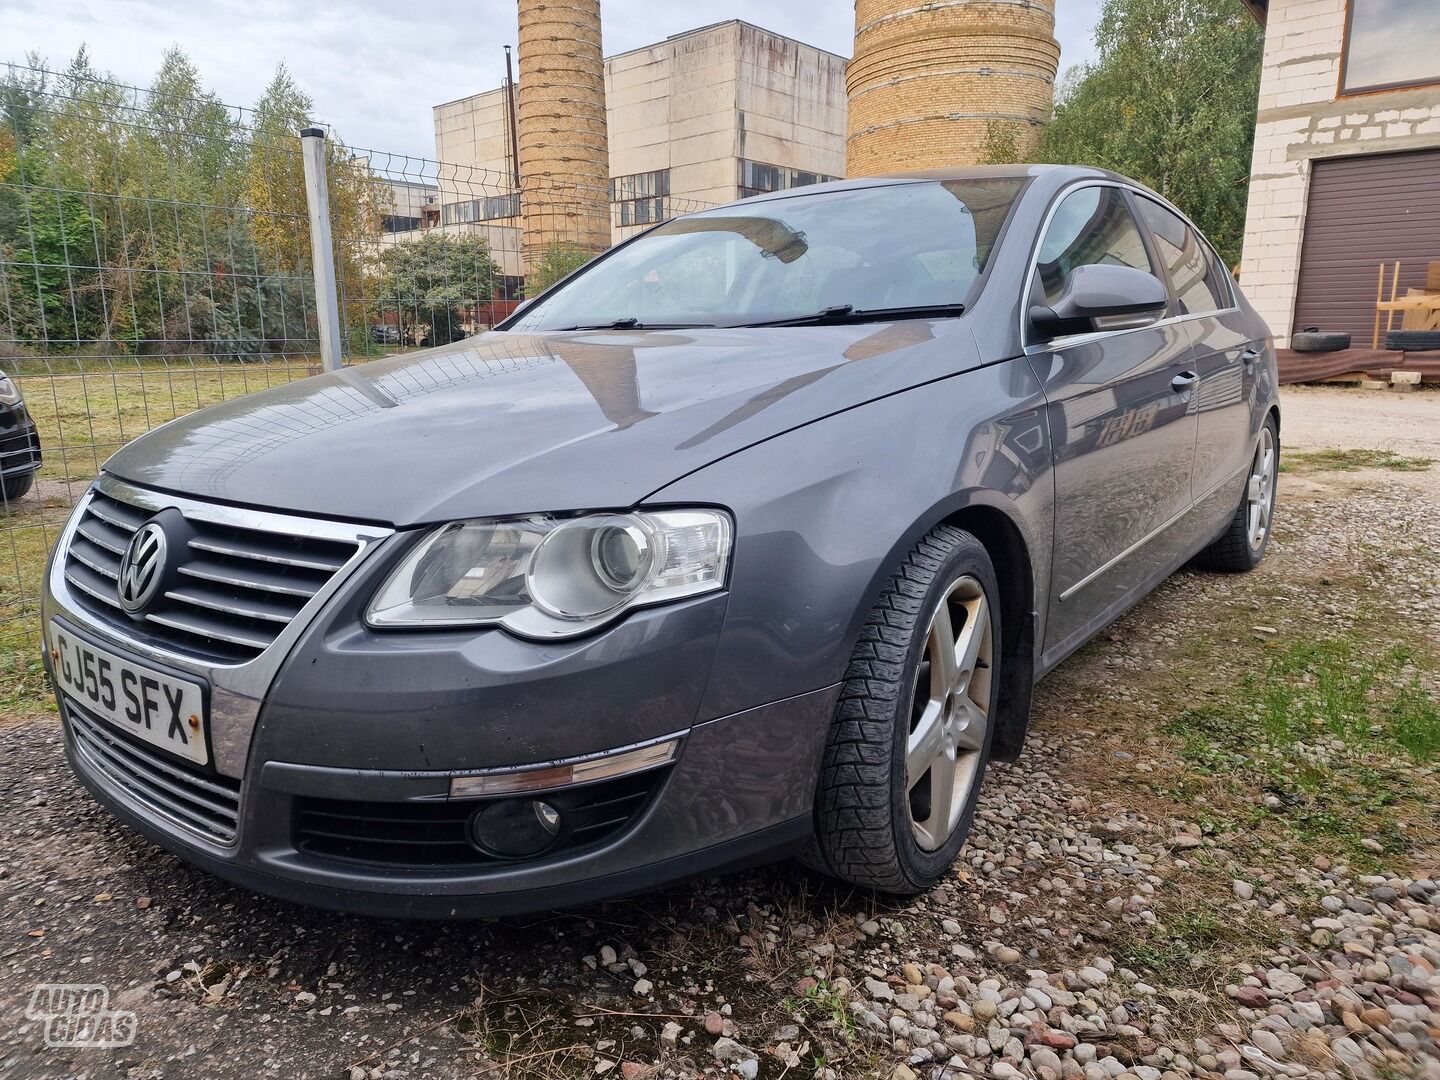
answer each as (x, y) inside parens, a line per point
(436, 835)
(201, 801)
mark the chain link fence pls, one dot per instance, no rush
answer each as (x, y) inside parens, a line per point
(155, 258)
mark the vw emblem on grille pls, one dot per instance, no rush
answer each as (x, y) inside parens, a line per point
(142, 568)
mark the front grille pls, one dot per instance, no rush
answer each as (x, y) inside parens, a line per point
(196, 798)
(238, 587)
(435, 835)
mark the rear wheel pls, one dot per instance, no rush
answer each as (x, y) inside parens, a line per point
(913, 727)
(1243, 544)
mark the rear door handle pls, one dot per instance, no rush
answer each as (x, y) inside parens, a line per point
(1184, 382)
(1249, 356)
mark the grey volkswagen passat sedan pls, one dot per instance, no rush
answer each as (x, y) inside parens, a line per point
(747, 539)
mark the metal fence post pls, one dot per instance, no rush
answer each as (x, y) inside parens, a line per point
(322, 252)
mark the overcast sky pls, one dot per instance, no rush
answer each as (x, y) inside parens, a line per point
(375, 68)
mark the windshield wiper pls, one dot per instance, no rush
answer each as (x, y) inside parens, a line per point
(848, 313)
(636, 324)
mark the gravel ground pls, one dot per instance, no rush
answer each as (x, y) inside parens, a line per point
(1217, 858)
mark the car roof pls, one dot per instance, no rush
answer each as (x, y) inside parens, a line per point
(1055, 175)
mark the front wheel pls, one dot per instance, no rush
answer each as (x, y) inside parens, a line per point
(913, 727)
(1242, 545)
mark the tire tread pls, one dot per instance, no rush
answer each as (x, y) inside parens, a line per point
(855, 835)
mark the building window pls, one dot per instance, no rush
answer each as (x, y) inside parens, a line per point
(396, 223)
(758, 178)
(490, 208)
(639, 198)
(493, 207)
(1390, 43)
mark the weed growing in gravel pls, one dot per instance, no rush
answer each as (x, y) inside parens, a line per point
(823, 1002)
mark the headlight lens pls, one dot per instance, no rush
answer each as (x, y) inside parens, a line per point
(9, 392)
(548, 577)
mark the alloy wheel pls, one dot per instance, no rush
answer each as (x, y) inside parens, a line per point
(1260, 495)
(950, 715)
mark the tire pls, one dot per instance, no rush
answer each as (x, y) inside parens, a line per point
(1413, 340)
(867, 829)
(14, 487)
(1238, 550)
(1312, 339)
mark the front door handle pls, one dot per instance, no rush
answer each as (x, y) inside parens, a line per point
(1183, 383)
(1249, 356)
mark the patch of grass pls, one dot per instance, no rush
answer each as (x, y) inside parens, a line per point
(86, 409)
(1353, 460)
(1326, 739)
(1188, 940)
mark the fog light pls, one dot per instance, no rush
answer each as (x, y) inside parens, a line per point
(515, 828)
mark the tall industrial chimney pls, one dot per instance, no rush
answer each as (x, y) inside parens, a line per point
(927, 80)
(564, 147)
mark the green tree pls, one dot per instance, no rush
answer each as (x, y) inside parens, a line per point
(1002, 143)
(429, 282)
(161, 219)
(1169, 100)
(275, 183)
(559, 261)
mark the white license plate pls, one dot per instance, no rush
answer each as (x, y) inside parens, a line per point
(160, 709)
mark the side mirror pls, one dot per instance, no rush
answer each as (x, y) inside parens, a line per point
(1101, 297)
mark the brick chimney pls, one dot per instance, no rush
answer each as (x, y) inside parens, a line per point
(564, 147)
(928, 79)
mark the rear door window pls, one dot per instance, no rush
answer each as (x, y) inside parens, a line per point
(1188, 261)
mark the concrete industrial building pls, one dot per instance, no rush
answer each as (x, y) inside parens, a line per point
(1346, 160)
(698, 119)
(929, 80)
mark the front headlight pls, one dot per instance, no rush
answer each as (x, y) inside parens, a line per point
(9, 392)
(548, 577)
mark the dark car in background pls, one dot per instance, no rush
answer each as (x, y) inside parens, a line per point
(749, 538)
(19, 443)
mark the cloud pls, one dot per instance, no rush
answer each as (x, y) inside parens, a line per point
(375, 68)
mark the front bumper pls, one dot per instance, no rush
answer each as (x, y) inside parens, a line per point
(335, 749)
(19, 442)
(740, 793)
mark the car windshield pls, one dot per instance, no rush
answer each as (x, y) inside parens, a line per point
(885, 251)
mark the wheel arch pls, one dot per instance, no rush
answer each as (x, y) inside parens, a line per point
(986, 516)
(1014, 571)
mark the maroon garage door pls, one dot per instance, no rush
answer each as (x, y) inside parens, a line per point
(1364, 211)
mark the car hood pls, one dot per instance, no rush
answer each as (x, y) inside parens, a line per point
(518, 423)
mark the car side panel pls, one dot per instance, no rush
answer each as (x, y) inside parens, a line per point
(1230, 428)
(826, 512)
(1124, 447)
(1226, 397)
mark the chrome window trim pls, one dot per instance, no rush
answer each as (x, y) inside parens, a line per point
(1031, 348)
(236, 689)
